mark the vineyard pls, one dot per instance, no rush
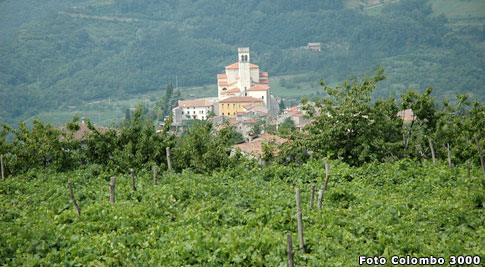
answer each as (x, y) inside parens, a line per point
(241, 215)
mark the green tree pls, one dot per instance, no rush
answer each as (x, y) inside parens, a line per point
(348, 126)
(287, 127)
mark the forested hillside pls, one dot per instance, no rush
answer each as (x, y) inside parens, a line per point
(56, 55)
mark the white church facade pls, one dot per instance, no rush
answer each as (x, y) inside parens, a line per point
(244, 79)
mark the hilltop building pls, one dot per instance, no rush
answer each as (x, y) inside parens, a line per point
(242, 89)
(243, 82)
(314, 46)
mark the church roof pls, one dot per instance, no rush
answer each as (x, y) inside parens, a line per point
(242, 99)
(263, 74)
(233, 90)
(259, 87)
(221, 76)
(236, 66)
(222, 83)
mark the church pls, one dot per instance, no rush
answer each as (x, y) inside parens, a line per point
(242, 90)
(243, 83)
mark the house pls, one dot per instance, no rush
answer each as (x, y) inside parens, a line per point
(232, 105)
(296, 114)
(195, 109)
(83, 131)
(254, 148)
(243, 79)
(314, 46)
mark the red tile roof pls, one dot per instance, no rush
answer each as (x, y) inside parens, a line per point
(82, 132)
(221, 76)
(244, 99)
(195, 103)
(263, 81)
(222, 83)
(236, 66)
(263, 74)
(256, 146)
(259, 87)
(233, 90)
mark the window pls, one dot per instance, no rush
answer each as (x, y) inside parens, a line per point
(239, 106)
(182, 113)
(201, 112)
(234, 105)
(194, 111)
(224, 89)
(245, 94)
(222, 113)
(262, 97)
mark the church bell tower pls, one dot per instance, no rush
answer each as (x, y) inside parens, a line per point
(244, 69)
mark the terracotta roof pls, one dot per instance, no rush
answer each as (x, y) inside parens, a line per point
(259, 87)
(233, 90)
(271, 137)
(222, 83)
(263, 81)
(195, 103)
(263, 74)
(82, 132)
(245, 99)
(236, 66)
(256, 148)
(250, 106)
(249, 121)
(221, 76)
(294, 108)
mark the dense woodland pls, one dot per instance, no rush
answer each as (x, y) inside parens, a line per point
(60, 54)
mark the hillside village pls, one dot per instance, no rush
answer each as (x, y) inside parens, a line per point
(243, 99)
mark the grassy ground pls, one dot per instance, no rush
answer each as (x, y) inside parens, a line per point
(459, 9)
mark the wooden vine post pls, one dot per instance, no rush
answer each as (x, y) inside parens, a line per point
(480, 154)
(155, 181)
(449, 155)
(289, 242)
(300, 221)
(312, 197)
(1, 163)
(112, 185)
(133, 179)
(432, 151)
(327, 175)
(73, 199)
(169, 161)
(320, 198)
